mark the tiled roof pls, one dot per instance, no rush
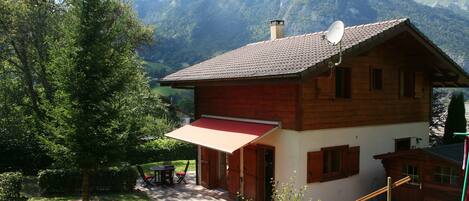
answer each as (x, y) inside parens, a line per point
(453, 152)
(284, 56)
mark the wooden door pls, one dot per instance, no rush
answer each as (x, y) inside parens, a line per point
(209, 167)
(250, 172)
(233, 181)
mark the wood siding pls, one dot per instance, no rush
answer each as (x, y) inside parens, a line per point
(429, 190)
(274, 102)
(367, 106)
(311, 103)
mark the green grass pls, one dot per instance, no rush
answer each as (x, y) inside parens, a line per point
(103, 197)
(179, 165)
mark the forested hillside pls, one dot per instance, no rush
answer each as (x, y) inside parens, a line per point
(189, 31)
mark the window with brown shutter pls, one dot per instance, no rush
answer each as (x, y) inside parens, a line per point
(406, 84)
(376, 79)
(333, 163)
(315, 160)
(325, 86)
(353, 160)
(343, 82)
(418, 85)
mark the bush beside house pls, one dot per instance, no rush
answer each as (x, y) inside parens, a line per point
(10, 186)
(62, 181)
(163, 149)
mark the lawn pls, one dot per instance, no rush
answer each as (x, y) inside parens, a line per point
(179, 165)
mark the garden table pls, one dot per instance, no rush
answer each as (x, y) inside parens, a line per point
(162, 172)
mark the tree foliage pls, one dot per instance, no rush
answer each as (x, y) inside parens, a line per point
(72, 85)
(26, 31)
(456, 119)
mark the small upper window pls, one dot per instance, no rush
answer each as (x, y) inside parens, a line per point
(446, 175)
(402, 144)
(413, 172)
(343, 82)
(406, 80)
(376, 79)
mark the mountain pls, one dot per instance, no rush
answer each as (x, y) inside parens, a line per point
(452, 4)
(189, 31)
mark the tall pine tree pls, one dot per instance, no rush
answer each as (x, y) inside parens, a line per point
(456, 119)
(104, 92)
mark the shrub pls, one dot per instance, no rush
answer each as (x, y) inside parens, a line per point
(61, 181)
(10, 186)
(163, 149)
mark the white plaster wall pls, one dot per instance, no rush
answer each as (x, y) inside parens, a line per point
(291, 149)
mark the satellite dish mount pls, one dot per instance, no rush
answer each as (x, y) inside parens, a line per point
(334, 36)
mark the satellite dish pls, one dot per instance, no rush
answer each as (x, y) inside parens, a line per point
(335, 32)
(334, 35)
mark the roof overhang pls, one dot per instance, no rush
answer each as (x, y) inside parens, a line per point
(398, 154)
(224, 133)
(446, 74)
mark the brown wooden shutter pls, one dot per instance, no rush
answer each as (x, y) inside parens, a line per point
(250, 171)
(325, 86)
(418, 86)
(233, 173)
(315, 165)
(353, 160)
(401, 83)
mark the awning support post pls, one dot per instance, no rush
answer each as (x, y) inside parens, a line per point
(241, 171)
(198, 166)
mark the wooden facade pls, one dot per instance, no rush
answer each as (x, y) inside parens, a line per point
(427, 188)
(311, 103)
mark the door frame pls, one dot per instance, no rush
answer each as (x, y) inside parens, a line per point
(260, 170)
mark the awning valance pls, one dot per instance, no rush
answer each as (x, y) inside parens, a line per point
(225, 135)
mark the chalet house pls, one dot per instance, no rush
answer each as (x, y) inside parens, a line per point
(274, 109)
(435, 172)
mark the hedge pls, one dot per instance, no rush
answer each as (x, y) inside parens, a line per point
(61, 181)
(164, 149)
(10, 186)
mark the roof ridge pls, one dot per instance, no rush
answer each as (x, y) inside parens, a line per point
(320, 32)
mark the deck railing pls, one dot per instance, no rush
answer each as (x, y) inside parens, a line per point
(387, 189)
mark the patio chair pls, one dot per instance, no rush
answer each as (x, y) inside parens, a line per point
(146, 179)
(182, 175)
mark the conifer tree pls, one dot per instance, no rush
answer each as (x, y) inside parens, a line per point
(456, 120)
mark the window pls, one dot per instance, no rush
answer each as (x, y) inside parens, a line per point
(446, 175)
(402, 144)
(407, 83)
(413, 172)
(342, 82)
(333, 163)
(376, 79)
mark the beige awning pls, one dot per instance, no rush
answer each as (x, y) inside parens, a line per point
(225, 135)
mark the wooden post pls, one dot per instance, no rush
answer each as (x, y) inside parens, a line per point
(384, 189)
(389, 189)
(241, 171)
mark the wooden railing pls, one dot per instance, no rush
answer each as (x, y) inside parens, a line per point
(385, 189)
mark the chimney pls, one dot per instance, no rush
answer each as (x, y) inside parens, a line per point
(276, 29)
